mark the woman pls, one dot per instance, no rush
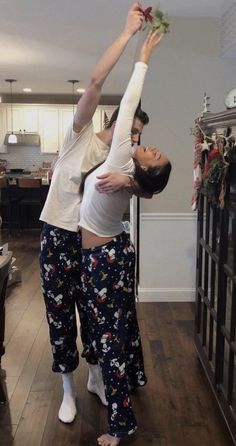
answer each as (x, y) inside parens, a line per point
(60, 240)
(108, 259)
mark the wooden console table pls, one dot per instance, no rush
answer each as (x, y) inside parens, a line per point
(5, 262)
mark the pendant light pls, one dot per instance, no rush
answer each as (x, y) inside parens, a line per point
(12, 139)
(73, 82)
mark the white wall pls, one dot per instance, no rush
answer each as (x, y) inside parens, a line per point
(167, 257)
(187, 64)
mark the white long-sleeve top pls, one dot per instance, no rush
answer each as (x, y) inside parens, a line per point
(102, 213)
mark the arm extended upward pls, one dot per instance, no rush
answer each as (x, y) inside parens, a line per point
(90, 99)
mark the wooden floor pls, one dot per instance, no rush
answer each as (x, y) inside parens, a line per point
(176, 408)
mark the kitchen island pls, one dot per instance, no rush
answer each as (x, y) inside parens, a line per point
(20, 207)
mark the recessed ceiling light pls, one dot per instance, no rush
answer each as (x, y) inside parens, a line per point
(27, 90)
(80, 90)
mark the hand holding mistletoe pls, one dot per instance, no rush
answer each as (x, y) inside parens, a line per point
(156, 19)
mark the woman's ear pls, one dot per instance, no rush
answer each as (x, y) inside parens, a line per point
(144, 167)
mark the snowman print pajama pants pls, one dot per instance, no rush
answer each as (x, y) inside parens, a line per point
(108, 301)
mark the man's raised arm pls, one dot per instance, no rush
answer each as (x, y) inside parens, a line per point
(90, 99)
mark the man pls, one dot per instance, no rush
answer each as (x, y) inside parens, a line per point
(60, 240)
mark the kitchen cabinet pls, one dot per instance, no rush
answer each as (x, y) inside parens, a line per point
(65, 119)
(28, 216)
(54, 123)
(97, 120)
(25, 117)
(49, 129)
(50, 121)
(64, 114)
(3, 129)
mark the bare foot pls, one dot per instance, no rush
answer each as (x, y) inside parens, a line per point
(108, 440)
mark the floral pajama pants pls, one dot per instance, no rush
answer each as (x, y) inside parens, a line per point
(60, 264)
(109, 302)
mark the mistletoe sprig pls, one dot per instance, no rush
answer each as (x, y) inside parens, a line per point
(161, 21)
(156, 19)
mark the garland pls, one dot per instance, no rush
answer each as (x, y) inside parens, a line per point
(215, 176)
(214, 158)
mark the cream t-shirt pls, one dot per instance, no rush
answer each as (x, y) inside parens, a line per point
(102, 213)
(79, 153)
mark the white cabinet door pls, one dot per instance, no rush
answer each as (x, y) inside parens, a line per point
(23, 117)
(97, 120)
(3, 128)
(65, 120)
(49, 129)
(51, 122)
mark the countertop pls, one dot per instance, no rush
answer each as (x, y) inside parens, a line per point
(12, 177)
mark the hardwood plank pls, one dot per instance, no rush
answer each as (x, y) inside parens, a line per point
(60, 434)
(13, 318)
(176, 408)
(23, 385)
(180, 401)
(9, 384)
(182, 310)
(23, 338)
(21, 296)
(33, 420)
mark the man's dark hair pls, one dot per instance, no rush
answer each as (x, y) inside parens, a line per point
(153, 179)
(140, 114)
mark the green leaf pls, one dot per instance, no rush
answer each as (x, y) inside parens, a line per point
(158, 14)
(161, 21)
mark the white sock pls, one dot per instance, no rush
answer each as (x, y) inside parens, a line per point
(67, 411)
(95, 382)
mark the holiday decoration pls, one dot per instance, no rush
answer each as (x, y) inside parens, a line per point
(206, 103)
(213, 174)
(148, 17)
(197, 171)
(156, 19)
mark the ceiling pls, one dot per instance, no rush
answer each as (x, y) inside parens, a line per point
(45, 43)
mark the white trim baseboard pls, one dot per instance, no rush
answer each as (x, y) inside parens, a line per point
(166, 294)
(168, 217)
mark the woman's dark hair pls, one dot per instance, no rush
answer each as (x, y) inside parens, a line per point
(140, 114)
(81, 188)
(154, 179)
